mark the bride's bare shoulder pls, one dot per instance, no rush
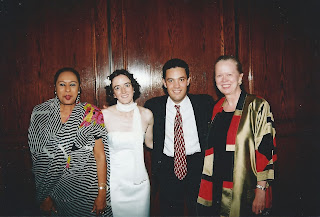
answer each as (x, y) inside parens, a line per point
(109, 110)
(146, 113)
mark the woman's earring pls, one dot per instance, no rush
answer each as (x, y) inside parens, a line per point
(55, 93)
(78, 97)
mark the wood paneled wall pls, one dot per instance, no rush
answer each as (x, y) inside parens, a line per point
(277, 42)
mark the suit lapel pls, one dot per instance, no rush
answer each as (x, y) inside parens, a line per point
(159, 110)
(162, 116)
(196, 109)
(198, 116)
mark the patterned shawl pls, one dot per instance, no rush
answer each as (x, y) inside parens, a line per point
(52, 143)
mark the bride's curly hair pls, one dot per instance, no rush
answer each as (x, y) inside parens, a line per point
(110, 94)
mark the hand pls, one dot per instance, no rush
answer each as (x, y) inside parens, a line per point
(259, 201)
(100, 204)
(47, 205)
(105, 106)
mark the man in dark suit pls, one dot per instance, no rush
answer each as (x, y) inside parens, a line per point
(179, 137)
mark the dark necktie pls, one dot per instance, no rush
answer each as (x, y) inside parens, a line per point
(180, 161)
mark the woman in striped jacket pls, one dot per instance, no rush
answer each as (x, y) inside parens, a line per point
(66, 140)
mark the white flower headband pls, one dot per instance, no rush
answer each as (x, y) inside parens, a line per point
(107, 81)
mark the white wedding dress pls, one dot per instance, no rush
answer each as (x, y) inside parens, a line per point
(129, 181)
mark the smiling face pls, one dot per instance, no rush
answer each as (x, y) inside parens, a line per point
(67, 88)
(176, 82)
(227, 77)
(122, 89)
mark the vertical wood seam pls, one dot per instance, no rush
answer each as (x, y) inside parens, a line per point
(110, 57)
(250, 73)
(222, 48)
(124, 37)
(236, 27)
(94, 55)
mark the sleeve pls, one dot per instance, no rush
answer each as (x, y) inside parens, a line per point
(44, 178)
(265, 143)
(148, 105)
(31, 135)
(210, 105)
(37, 132)
(93, 118)
(101, 130)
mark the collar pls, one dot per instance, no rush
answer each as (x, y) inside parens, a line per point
(125, 107)
(183, 103)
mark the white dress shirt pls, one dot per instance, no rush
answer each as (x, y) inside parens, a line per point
(189, 127)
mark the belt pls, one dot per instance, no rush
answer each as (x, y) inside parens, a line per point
(189, 157)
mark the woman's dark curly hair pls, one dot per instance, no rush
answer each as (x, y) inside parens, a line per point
(136, 86)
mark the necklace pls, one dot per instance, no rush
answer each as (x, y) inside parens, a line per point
(125, 107)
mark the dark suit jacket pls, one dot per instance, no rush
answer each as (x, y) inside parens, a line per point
(202, 106)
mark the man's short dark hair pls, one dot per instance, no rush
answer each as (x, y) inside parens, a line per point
(173, 63)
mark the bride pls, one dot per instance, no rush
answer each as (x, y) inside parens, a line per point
(128, 126)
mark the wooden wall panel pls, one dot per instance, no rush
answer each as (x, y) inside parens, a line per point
(228, 30)
(280, 59)
(102, 60)
(37, 45)
(145, 34)
(243, 18)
